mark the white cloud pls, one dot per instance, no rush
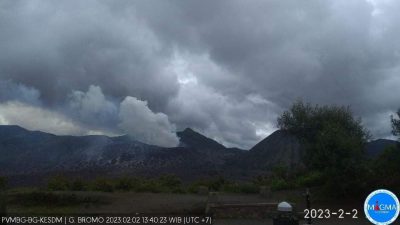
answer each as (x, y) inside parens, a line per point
(146, 126)
(36, 118)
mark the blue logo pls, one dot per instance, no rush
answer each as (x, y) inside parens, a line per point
(381, 207)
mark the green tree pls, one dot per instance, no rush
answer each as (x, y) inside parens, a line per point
(334, 143)
(387, 169)
(396, 123)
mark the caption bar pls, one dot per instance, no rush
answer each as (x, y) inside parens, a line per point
(190, 220)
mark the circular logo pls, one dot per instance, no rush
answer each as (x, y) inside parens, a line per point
(381, 207)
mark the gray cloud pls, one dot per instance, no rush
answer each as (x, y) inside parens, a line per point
(226, 68)
(10, 91)
(93, 109)
(59, 47)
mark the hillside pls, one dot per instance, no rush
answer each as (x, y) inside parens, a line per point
(28, 153)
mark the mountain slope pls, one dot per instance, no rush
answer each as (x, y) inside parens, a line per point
(25, 152)
(191, 138)
(374, 148)
(280, 148)
(32, 152)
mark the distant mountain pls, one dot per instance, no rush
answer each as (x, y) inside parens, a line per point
(25, 152)
(279, 148)
(374, 148)
(35, 153)
(191, 138)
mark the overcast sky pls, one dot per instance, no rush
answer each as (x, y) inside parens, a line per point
(226, 68)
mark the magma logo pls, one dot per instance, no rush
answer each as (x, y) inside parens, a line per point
(381, 207)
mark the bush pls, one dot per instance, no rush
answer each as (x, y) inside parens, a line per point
(178, 190)
(101, 184)
(170, 181)
(126, 184)
(248, 188)
(38, 198)
(386, 169)
(3, 183)
(150, 185)
(310, 179)
(3, 201)
(77, 185)
(280, 184)
(58, 183)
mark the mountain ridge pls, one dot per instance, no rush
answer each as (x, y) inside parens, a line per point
(26, 152)
(190, 138)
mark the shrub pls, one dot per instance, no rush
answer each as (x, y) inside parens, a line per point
(38, 198)
(150, 186)
(58, 183)
(170, 181)
(310, 179)
(3, 183)
(101, 184)
(78, 185)
(248, 188)
(178, 190)
(280, 184)
(217, 183)
(3, 201)
(125, 184)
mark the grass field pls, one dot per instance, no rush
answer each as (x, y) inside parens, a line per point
(34, 201)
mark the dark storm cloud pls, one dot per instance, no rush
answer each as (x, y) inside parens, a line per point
(226, 68)
(326, 52)
(57, 47)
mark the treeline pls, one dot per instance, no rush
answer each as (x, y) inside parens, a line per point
(280, 179)
(162, 184)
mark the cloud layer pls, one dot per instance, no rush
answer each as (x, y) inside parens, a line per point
(226, 68)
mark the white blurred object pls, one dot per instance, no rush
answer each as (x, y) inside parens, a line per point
(284, 207)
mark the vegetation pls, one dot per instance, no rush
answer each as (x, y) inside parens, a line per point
(385, 169)
(162, 184)
(334, 143)
(58, 183)
(166, 183)
(3, 183)
(3, 201)
(396, 123)
(49, 199)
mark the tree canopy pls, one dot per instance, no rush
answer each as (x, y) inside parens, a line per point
(396, 123)
(334, 142)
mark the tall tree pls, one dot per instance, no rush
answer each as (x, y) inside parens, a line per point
(334, 142)
(396, 124)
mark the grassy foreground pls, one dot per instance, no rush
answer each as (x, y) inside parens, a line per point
(28, 201)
